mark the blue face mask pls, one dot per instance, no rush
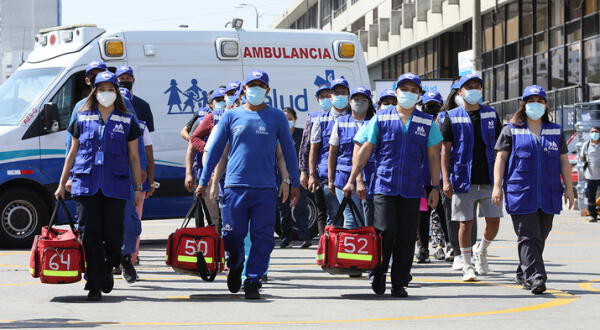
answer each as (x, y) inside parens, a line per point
(291, 123)
(255, 95)
(472, 96)
(340, 101)
(535, 110)
(595, 136)
(407, 100)
(229, 100)
(325, 104)
(220, 105)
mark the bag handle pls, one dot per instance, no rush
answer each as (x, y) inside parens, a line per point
(60, 202)
(347, 201)
(193, 207)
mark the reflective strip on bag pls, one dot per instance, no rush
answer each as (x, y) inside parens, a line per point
(193, 259)
(60, 273)
(32, 271)
(354, 256)
(320, 256)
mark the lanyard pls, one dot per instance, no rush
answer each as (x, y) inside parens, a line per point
(101, 135)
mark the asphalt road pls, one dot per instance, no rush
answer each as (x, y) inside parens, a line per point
(300, 294)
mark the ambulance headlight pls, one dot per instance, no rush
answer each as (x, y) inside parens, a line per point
(114, 48)
(346, 50)
(230, 48)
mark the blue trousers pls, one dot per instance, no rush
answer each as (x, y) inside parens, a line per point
(350, 222)
(132, 228)
(249, 209)
(331, 201)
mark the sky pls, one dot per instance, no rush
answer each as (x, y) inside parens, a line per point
(171, 13)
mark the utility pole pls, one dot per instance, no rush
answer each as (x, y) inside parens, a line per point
(476, 36)
(242, 5)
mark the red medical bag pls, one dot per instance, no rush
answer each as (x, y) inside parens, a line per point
(196, 251)
(57, 255)
(349, 251)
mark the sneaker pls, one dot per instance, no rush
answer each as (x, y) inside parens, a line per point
(538, 286)
(469, 274)
(306, 245)
(593, 219)
(520, 280)
(458, 263)
(117, 270)
(399, 292)
(449, 254)
(234, 280)
(423, 257)
(285, 244)
(481, 263)
(439, 253)
(355, 275)
(129, 273)
(109, 282)
(251, 289)
(94, 295)
(378, 284)
(264, 278)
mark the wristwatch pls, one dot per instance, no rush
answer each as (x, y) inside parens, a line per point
(437, 187)
(138, 187)
(287, 180)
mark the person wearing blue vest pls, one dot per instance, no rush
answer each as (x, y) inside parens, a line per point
(387, 97)
(532, 157)
(341, 150)
(319, 145)
(253, 132)
(142, 109)
(104, 162)
(323, 97)
(403, 140)
(468, 155)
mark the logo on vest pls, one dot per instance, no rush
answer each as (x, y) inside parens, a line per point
(552, 146)
(237, 130)
(491, 124)
(262, 131)
(420, 131)
(119, 129)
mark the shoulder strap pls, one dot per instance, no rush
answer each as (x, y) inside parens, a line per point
(193, 207)
(347, 201)
(60, 202)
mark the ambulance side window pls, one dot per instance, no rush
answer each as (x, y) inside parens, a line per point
(73, 90)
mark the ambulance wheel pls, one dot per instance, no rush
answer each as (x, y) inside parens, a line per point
(313, 226)
(22, 214)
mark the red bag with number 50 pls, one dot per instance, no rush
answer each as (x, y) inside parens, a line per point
(349, 251)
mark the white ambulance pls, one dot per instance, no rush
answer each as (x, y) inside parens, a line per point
(174, 70)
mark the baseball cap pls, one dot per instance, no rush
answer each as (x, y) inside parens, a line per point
(257, 75)
(533, 90)
(468, 77)
(219, 92)
(408, 77)
(340, 82)
(322, 88)
(95, 64)
(361, 90)
(433, 96)
(106, 76)
(233, 85)
(387, 93)
(124, 69)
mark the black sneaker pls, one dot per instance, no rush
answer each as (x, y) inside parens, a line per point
(399, 292)
(117, 270)
(264, 278)
(519, 279)
(594, 220)
(129, 273)
(306, 245)
(94, 295)
(423, 257)
(527, 285)
(285, 244)
(109, 282)
(538, 286)
(355, 275)
(378, 284)
(251, 289)
(234, 280)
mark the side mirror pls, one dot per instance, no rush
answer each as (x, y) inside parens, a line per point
(50, 118)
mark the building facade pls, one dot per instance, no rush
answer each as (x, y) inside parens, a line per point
(552, 43)
(20, 20)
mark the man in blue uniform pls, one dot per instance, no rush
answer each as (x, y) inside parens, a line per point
(250, 197)
(142, 108)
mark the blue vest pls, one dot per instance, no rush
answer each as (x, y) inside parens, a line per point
(326, 121)
(400, 157)
(347, 128)
(113, 176)
(217, 114)
(532, 178)
(461, 158)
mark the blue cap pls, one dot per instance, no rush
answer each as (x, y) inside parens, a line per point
(533, 90)
(219, 92)
(95, 64)
(361, 90)
(124, 69)
(233, 85)
(322, 88)
(408, 77)
(387, 93)
(257, 75)
(468, 77)
(455, 84)
(125, 93)
(106, 76)
(340, 82)
(434, 96)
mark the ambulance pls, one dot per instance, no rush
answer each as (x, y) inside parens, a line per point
(174, 70)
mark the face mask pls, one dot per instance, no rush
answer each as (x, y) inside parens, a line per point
(291, 123)
(256, 95)
(229, 100)
(325, 104)
(126, 84)
(535, 110)
(472, 96)
(459, 100)
(220, 105)
(432, 109)
(359, 106)
(407, 100)
(340, 101)
(595, 136)
(106, 98)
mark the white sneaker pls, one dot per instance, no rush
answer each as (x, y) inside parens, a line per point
(458, 263)
(469, 274)
(481, 263)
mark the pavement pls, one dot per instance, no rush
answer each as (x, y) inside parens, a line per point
(300, 294)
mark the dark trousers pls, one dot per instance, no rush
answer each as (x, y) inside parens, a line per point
(321, 210)
(452, 226)
(298, 215)
(102, 221)
(396, 220)
(532, 231)
(592, 189)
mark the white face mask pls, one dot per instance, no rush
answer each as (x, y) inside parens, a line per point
(106, 98)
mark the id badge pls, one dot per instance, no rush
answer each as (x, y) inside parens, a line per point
(99, 158)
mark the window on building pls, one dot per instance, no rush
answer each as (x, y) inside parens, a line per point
(511, 52)
(385, 70)
(325, 12)
(590, 6)
(354, 1)
(541, 17)
(397, 4)
(541, 42)
(513, 79)
(487, 60)
(527, 71)
(399, 64)
(573, 9)
(499, 55)
(527, 46)
(406, 61)
(339, 6)
(375, 15)
(573, 64)
(358, 25)
(573, 31)
(557, 57)
(591, 65)
(512, 22)
(557, 12)
(499, 84)
(429, 50)
(488, 32)
(556, 37)
(421, 59)
(499, 28)
(590, 26)
(526, 15)
(313, 17)
(413, 60)
(541, 64)
(487, 83)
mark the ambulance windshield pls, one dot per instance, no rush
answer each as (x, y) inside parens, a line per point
(19, 91)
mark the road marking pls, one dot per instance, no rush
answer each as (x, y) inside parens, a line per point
(588, 285)
(14, 252)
